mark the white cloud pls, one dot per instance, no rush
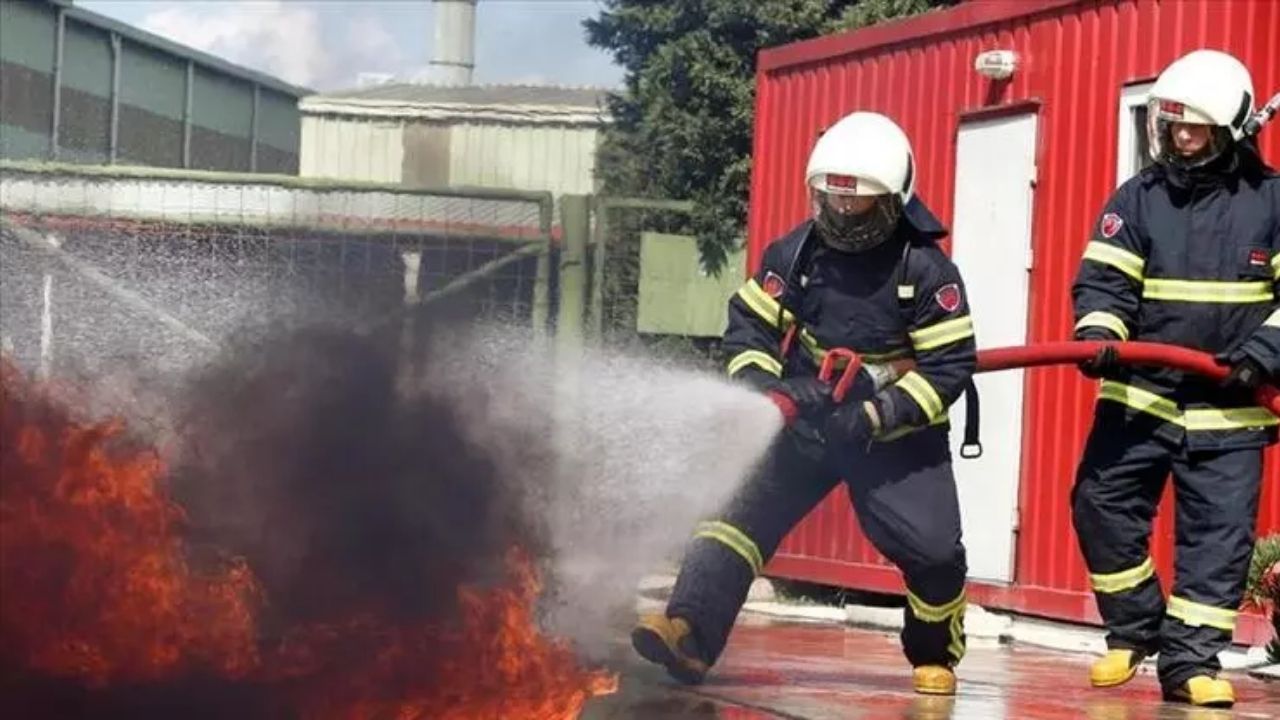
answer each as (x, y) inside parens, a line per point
(371, 44)
(285, 39)
(327, 44)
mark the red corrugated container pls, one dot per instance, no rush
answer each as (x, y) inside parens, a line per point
(1075, 58)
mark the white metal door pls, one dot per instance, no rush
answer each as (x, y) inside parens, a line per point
(991, 244)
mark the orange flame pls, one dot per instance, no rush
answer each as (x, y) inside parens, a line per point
(493, 664)
(96, 586)
(97, 590)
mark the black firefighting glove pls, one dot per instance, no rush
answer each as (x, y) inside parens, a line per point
(1106, 361)
(853, 424)
(1246, 373)
(811, 396)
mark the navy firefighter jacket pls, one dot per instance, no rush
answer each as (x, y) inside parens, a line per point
(902, 299)
(1189, 260)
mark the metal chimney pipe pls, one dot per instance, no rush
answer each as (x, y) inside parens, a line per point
(454, 58)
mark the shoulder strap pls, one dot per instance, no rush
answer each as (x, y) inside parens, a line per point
(906, 288)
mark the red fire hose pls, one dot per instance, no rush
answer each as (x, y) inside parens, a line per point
(1056, 353)
(1128, 353)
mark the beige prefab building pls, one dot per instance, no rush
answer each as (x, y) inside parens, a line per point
(494, 136)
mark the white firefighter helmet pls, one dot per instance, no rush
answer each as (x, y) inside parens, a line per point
(1203, 87)
(864, 153)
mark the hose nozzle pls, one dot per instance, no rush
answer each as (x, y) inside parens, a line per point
(1264, 115)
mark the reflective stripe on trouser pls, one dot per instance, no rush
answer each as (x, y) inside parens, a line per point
(922, 538)
(729, 549)
(907, 507)
(933, 618)
(1117, 490)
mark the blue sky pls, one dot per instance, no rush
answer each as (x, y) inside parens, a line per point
(325, 44)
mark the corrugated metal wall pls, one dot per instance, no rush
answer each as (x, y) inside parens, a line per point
(551, 157)
(1076, 56)
(227, 129)
(352, 148)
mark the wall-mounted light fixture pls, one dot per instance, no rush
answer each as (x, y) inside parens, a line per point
(996, 64)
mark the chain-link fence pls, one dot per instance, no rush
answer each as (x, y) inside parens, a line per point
(147, 261)
(647, 286)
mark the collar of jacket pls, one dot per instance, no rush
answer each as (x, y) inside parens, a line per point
(1239, 162)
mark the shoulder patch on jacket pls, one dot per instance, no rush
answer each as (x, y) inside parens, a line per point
(1111, 224)
(774, 286)
(948, 297)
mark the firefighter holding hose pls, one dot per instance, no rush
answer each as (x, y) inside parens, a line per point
(864, 273)
(1184, 253)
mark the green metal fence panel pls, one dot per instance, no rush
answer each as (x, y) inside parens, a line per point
(676, 297)
(575, 218)
(618, 315)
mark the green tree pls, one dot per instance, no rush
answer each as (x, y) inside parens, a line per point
(682, 125)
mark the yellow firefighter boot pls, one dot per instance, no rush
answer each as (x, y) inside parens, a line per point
(1117, 667)
(934, 680)
(669, 642)
(1204, 691)
(931, 707)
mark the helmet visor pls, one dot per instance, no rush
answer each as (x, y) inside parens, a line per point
(855, 224)
(1182, 137)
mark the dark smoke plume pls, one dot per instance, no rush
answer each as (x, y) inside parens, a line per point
(349, 485)
(302, 453)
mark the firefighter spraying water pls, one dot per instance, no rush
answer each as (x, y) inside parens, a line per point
(864, 272)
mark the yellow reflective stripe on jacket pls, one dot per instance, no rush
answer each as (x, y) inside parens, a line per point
(1118, 258)
(1123, 580)
(769, 310)
(762, 360)
(1193, 419)
(1196, 614)
(914, 384)
(1206, 291)
(735, 540)
(819, 354)
(762, 305)
(1228, 418)
(943, 333)
(1142, 400)
(1275, 266)
(1103, 319)
(908, 429)
(935, 613)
